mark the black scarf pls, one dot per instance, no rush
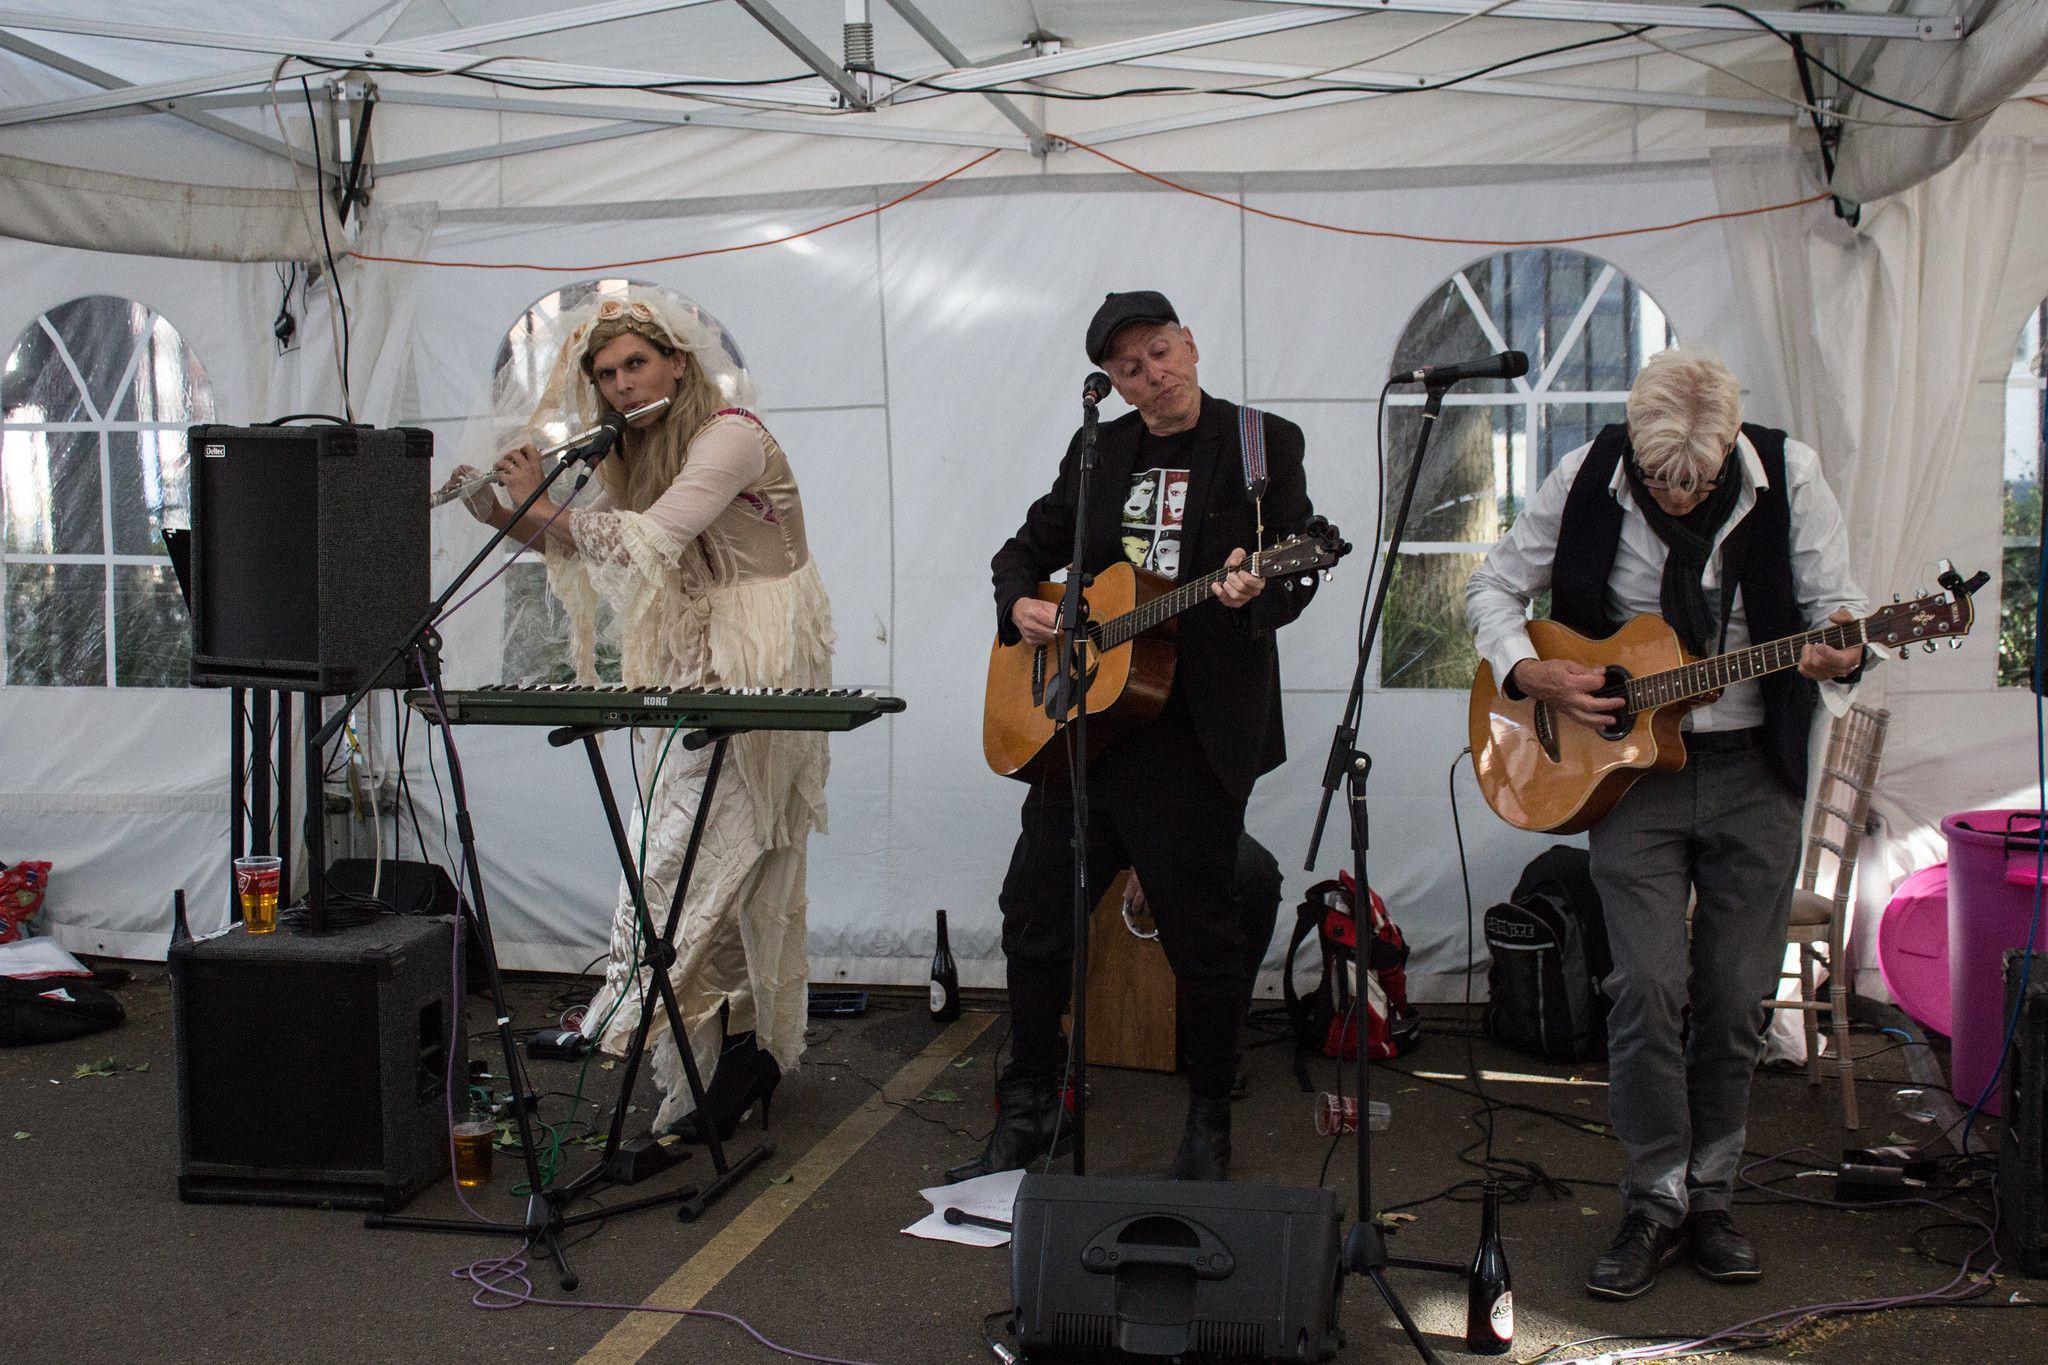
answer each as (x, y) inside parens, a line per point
(1689, 542)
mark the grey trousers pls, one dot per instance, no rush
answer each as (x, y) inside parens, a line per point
(1679, 1097)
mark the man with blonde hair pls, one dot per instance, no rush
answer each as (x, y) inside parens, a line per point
(1729, 532)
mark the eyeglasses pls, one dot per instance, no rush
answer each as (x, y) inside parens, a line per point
(1667, 486)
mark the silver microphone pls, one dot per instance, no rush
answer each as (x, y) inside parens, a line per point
(469, 486)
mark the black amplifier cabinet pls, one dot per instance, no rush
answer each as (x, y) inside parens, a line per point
(2023, 1139)
(309, 553)
(1112, 1269)
(314, 1070)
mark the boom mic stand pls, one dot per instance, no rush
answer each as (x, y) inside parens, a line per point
(1365, 1247)
(1069, 692)
(544, 1222)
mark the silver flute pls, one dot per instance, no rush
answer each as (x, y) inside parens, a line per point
(468, 486)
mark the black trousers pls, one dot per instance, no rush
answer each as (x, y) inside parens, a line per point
(1157, 808)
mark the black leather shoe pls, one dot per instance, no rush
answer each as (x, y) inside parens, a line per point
(1204, 1143)
(1718, 1251)
(1630, 1266)
(1031, 1121)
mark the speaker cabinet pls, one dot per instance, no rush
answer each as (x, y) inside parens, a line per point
(2023, 1141)
(315, 1070)
(1112, 1269)
(309, 553)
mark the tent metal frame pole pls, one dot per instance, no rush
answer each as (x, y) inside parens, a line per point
(1931, 28)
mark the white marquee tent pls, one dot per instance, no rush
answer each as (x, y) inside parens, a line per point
(1302, 177)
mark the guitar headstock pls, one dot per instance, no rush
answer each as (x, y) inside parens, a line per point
(1318, 546)
(1948, 614)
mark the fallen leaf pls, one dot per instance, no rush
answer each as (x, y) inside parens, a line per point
(140, 1066)
(105, 1066)
(1589, 1212)
(941, 1095)
(21, 1137)
(1391, 1218)
(782, 1179)
(606, 1066)
(966, 1061)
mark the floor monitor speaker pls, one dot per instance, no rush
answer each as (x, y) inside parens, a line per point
(1114, 1269)
(314, 1070)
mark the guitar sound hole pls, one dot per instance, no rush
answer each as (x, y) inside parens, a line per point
(1617, 686)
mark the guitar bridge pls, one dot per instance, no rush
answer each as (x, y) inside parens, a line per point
(1546, 730)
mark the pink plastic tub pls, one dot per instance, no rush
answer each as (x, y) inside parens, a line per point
(1912, 947)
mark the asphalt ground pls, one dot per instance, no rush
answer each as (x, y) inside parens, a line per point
(103, 1262)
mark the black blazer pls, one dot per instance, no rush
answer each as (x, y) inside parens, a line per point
(1228, 669)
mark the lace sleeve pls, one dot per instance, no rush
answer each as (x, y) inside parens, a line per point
(724, 458)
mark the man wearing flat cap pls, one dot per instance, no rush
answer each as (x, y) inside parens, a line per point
(1179, 487)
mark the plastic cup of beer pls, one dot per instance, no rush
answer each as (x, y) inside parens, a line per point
(475, 1129)
(256, 885)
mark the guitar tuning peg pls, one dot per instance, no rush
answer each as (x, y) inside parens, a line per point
(1927, 647)
(1897, 598)
(1905, 654)
(1954, 643)
(1329, 575)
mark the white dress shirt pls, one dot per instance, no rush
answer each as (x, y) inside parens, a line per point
(1518, 569)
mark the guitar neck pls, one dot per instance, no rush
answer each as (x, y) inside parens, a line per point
(1119, 630)
(1688, 681)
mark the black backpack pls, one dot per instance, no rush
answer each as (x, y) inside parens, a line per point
(1548, 945)
(54, 1009)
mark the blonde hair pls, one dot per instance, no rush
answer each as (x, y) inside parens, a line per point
(1684, 413)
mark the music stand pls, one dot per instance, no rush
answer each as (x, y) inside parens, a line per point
(1365, 1247)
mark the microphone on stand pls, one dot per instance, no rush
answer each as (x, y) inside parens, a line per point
(1506, 365)
(609, 430)
(1094, 389)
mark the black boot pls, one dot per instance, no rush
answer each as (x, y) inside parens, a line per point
(1032, 1121)
(745, 1074)
(1205, 1143)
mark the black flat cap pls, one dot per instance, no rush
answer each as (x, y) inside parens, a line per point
(1119, 311)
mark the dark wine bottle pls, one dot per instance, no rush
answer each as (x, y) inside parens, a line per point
(945, 979)
(1489, 1302)
(181, 930)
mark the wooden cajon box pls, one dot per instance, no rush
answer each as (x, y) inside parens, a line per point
(1133, 1009)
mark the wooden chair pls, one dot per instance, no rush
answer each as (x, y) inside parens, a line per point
(1819, 926)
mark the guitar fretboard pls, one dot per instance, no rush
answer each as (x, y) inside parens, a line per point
(1161, 609)
(1708, 675)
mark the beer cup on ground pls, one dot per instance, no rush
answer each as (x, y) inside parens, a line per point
(475, 1129)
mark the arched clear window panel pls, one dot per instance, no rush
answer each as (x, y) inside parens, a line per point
(94, 401)
(1587, 328)
(2026, 441)
(537, 648)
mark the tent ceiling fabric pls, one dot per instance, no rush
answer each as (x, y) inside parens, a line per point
(135, 88)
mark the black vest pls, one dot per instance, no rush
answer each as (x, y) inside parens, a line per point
(1590, 536)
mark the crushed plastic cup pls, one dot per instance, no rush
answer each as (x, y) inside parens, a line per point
(1339, 1114)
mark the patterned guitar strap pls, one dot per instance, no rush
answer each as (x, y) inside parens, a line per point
(1251, 441)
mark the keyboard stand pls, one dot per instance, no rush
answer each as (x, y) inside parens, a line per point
(657, 955)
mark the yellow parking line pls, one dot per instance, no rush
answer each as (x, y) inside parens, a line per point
(637, 1333)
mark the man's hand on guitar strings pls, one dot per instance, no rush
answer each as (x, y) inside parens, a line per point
(1820, 663)
(1239, 586)
(1568, 687)
(1036, 619)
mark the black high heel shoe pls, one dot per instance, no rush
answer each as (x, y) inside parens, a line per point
(745, 1074)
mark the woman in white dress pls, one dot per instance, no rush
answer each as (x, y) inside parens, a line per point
(695, 541)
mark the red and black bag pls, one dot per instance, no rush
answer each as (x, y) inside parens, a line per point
(1326, 1018)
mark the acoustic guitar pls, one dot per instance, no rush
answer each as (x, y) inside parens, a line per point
(1540, 770)
(1129, 655)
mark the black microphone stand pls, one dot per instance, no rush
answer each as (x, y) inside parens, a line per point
(1365, 1246)
(1069, 692)
(544, 1222)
